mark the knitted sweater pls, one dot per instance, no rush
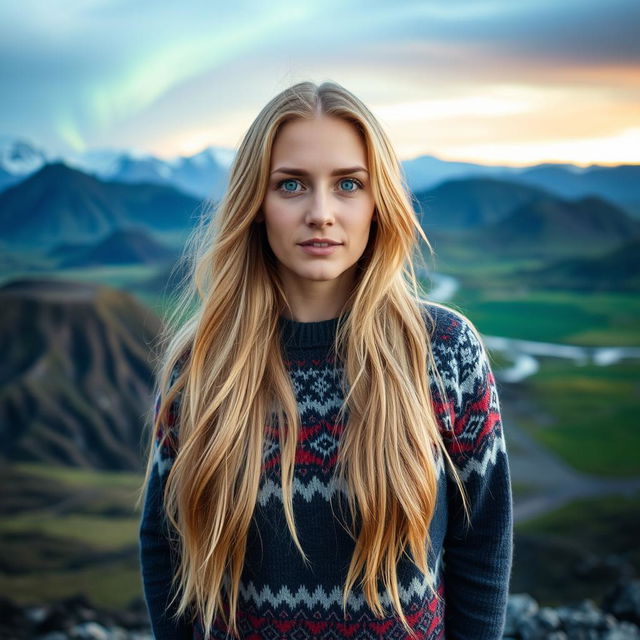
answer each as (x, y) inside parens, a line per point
(280, 597)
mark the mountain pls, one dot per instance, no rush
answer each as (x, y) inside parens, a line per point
(124, 246)
(425, 172)
(617, 184)
(550, 227)
(203, 175)
(76, 374)
(61, 204)
(472, 202)
(18, 159)
(19, 156)
(7, 179)
(617, 270)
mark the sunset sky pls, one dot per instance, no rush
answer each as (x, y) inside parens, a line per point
(497, 82)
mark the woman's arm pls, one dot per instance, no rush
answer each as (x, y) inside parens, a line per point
(156, 562)
(478, 559)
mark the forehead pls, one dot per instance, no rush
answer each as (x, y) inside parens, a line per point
(319, 142)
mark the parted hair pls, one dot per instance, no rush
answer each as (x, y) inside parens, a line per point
(222, 338)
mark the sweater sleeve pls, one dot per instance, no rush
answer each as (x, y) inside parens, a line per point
(156, 559)
(478, 558)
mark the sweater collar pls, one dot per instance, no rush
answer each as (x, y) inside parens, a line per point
(308, 334)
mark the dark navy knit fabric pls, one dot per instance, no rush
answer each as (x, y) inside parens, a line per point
(280, 596)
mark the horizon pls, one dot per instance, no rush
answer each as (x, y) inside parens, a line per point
(53, 157)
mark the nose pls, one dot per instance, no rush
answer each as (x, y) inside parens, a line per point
(320, 213)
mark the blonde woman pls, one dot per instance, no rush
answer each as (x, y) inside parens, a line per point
(327, 459)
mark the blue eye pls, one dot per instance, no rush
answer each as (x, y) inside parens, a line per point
(289, 182)
(292, 182)
(354, 181)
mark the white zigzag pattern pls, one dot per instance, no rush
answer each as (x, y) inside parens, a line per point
(272, 489)
(320, 598)
(490, 457)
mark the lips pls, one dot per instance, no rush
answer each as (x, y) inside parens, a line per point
(313, 241)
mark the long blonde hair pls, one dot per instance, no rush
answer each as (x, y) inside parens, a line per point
(223, 339)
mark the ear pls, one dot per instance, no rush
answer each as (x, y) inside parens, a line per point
(259, 216)
(374, 218)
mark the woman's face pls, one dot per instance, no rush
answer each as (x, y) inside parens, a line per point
(318, 188)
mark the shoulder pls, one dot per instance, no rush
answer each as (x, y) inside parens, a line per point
(454, 338)
(462, 362)
(470, 414)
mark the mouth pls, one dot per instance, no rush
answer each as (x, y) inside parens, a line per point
(319, 249)
(319, 243)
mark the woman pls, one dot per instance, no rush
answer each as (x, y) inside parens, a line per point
(328, 457)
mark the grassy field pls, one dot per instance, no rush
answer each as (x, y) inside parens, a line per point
(594, 415)
(552, 316)
(550, 551)
(67, 531)
(118, 276)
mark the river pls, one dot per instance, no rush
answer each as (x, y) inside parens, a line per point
(524, 354)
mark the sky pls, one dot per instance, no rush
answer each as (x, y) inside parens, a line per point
(512, 82)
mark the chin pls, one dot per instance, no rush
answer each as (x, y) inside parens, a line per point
(320, 278)
(320, 275)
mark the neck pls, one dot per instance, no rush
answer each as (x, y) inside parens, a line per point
(316, 300)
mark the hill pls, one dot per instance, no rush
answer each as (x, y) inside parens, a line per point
(59, 204)
(617, 270)
(124, 246)
(617, 184)
(76, 374)
(472, 202)
(551, 227)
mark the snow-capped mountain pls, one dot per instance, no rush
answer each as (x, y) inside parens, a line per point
(20, 157)
(202, 175)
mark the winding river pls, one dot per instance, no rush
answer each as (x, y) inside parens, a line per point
(525, 354)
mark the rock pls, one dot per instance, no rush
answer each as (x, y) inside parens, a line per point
(624, 631)
(541, 625)
(12, 620)
(520, 606)
(90, 631)
(583, 620)
(623, 601)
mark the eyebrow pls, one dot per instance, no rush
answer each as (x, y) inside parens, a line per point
(336, 172)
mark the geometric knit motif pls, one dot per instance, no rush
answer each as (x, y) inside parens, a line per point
(281, 597)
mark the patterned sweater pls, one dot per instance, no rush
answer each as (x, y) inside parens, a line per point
(280, 597)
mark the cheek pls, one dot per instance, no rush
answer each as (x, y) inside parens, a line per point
(362, 227)
(279, 226)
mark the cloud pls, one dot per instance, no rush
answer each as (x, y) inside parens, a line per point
(75, 72)
(105, 62)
